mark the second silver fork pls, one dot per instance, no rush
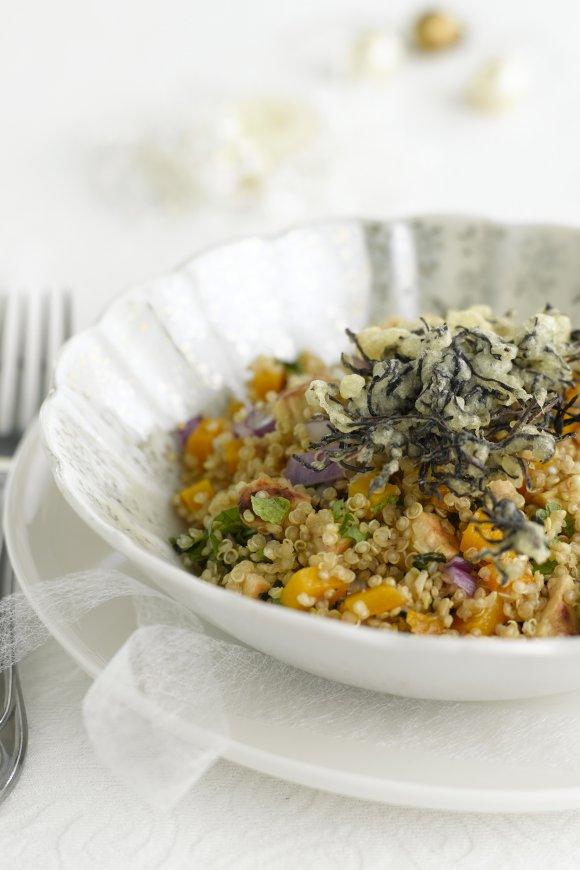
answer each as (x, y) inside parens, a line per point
(33, 328)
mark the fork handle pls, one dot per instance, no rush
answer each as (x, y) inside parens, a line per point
(7, 587)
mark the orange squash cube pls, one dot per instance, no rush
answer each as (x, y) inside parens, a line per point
(194, 496)
(232, 454)
(484, 622)
(493, 578)
(371, 602)
(362, 483)
(477, 536)
(307, 582)
(200, 441)
(267, 379)
(424, 623)
(572, 393)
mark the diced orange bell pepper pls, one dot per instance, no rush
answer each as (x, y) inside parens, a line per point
(424, 623)
(380, 599)
(477, 536)
(485, 622)
(194, 496)
(362, 483)
(200, 441)
(307, 581)
(493, 579)
(232, 454)
(267, 379)
(572, 393)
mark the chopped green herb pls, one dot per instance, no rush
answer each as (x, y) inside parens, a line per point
(292, 367)
(543, 513)
(229, 524)
(546, 568)
(258, 555)
(554, 506)
(271, 510)
(568, 526)
(389, 499)
(422, 561)
(353, 532)
(350, 529)
(192, 546)
(349, 525)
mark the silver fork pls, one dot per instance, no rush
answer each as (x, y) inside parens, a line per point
(33, 327)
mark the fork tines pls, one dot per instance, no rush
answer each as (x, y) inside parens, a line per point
(32, 329)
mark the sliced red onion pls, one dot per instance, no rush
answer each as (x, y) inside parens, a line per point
(296, 472)
(459, 572)
(257, 422)
(317, 429)
(185, 431)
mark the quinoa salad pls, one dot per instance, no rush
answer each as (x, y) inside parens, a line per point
(428, 483)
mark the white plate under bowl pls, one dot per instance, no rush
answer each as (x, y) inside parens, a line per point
(47, 539)
(164, 351)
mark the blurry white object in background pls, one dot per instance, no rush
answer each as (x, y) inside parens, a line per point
(255, 137)
(156, 168)
(498, 85)
(376, 54)
(239, 153)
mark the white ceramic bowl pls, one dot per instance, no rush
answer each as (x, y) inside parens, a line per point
(167, 349)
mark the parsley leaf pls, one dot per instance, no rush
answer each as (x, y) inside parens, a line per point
(569, 526)
(193, 547)
(389, 499)
(350, 529)
(349, 526)
(229, 523)
(271, 510)
(543, 513)
(547, 568)
(423, 559)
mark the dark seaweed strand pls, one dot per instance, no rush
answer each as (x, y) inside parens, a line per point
(446, 457)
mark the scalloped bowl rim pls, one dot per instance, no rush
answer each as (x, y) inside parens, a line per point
(152, 564)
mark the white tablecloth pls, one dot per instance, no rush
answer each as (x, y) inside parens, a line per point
(74, 75)
(67, 813)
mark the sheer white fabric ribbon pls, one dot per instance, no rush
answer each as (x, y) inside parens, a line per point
(160, 712)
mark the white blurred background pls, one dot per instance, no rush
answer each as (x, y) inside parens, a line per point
(111, 111)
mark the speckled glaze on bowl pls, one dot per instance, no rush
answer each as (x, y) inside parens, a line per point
(167, 349)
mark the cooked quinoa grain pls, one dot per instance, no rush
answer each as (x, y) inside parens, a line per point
(430, 484)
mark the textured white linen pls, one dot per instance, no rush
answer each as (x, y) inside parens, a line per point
(68, 813)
